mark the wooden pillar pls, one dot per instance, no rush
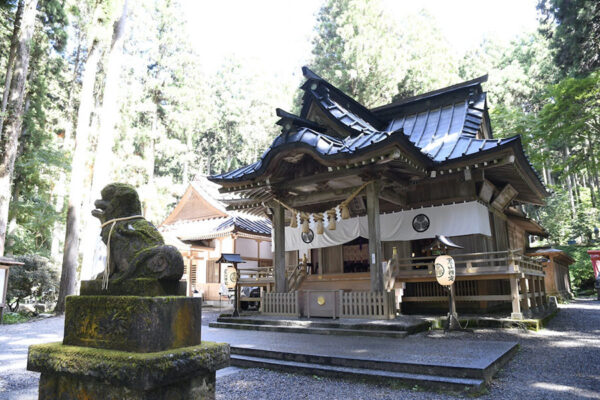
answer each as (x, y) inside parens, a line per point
(537, 297)
(525, 300)
(544, 294)
(533, 290)
(279, 261)
(538, 293)
(374, 237)
(516, 303)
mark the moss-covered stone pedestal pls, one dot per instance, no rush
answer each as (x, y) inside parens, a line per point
(126, 347)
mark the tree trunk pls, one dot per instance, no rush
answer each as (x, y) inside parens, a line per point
(57, 230)
(594, 163)
(11, 61)
(9, 140)
(569, 184)
(68, 278)
(103, 159)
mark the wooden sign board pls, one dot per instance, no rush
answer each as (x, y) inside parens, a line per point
(487, 191)
(507, 194)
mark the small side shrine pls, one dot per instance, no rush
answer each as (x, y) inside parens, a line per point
(345, 185)
(202, 229)
(556, 266)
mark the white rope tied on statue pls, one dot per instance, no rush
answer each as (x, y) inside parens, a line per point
(107, 266)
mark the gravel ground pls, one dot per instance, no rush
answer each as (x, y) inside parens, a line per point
(16, 383)
(560, 362)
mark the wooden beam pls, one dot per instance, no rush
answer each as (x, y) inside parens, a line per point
(393, 197)
(279, 243)
(318, 197)
(374, 237)
(327, 176)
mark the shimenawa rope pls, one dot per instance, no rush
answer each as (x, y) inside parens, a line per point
(107, 266)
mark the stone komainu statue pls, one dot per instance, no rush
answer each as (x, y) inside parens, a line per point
(135, 248)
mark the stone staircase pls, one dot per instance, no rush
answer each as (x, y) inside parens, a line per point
(346, 327)
(444, 377)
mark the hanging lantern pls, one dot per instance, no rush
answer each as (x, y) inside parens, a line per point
(294, 221)
(445, 270)
(331, 218)
(319, 219)
(345, 211)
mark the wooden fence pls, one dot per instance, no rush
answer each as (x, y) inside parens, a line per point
(368, 304)
(280, 304)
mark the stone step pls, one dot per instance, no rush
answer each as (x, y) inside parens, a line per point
(417, 326)
(366, 363)
(376, 375)
(311, 329)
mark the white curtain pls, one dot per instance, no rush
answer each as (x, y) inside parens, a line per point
(451, 220)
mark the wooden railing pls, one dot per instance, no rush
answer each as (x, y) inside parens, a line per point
(256, 275)
(368, 304)
(295, 276)
(470, 264)
(280, 304)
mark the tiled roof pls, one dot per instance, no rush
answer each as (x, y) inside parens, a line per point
(436, 133)
(215, 227)
(260, 226)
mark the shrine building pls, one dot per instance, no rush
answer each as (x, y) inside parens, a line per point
(345, 185)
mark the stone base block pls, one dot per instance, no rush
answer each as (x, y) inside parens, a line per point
(133, 323)
(73, 372)
(517, 316)
(134, 287)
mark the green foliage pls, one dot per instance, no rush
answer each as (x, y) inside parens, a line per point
(581, 272)
(555, 217)
(356, 49)
(15, 318)
(361, 51)
(574, 29)
(36, 279)
(32, 211)
(425, 59)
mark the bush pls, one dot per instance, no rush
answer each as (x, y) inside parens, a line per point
(15, 318)
(582, 272)
(35, 279)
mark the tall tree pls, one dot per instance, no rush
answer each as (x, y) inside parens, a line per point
(10, 63)
(427, 61)
(105, 140)
(355, 48)
(40, 158)
(103, 14)
(13, 124)
(574, 29)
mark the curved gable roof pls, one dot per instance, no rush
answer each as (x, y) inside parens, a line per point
(435, 128)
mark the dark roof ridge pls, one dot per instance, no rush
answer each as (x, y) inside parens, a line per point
(295, 120)
(422, 96)
(356, 107)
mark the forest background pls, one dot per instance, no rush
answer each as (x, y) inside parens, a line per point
(95, 91)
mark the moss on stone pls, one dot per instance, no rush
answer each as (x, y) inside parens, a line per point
(133, 323)
(145, 370)
(146, 287)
